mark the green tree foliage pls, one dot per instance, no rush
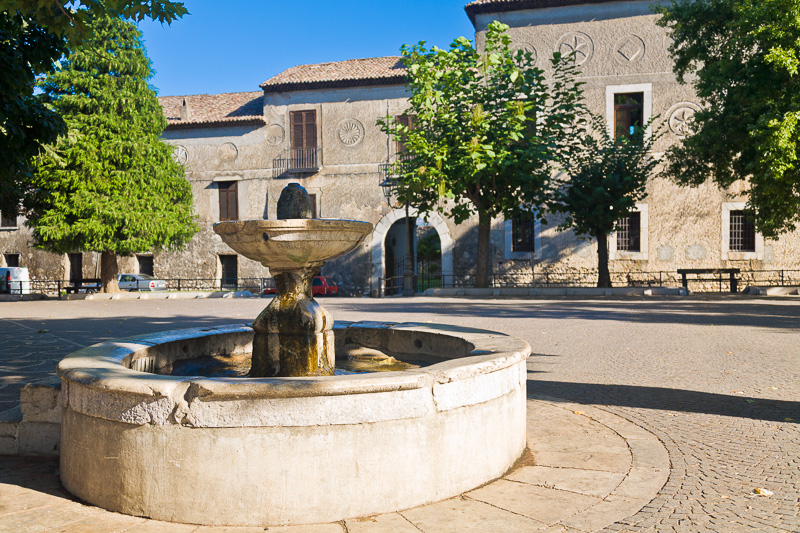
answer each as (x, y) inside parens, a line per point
(488, 129)
(742, 57)
(25, 122)
(601, 184)
(34, 35)
(109, 185)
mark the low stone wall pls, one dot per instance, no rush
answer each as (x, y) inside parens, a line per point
(279, 451)
(34, 428)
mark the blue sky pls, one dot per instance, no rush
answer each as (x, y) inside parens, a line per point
(235, 46)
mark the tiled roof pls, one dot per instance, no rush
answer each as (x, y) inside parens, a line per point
(350, 73)
(214, 109)
(497, 6)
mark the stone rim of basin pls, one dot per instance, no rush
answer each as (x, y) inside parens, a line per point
(102, 366)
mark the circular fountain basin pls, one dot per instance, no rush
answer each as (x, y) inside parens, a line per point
(292, 243)
(280, 451)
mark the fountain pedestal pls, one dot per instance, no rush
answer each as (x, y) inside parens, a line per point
(293, 335)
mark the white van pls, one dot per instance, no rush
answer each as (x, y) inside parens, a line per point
(15, 280)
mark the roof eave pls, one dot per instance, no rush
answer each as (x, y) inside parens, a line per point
(332, 84)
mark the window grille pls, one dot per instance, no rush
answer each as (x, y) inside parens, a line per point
(146, 264)
(742, 232)
(522, 233)
(629, 231)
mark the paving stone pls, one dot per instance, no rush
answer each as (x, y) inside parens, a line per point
(545, 505)
(458, 515)
(713, 378)
(386, 523)
(589, 482)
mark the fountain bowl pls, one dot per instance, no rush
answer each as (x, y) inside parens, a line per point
(283, 451)
(293, 243)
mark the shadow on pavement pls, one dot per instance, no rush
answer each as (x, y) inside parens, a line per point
(687, 401)
(718, 312)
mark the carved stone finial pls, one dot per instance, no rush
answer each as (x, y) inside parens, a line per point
(294, 202)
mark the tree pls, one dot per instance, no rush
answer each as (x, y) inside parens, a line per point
(488, 129)
(34, 35)
(109, 185)
(601, 184)
(26, 123)
(742, 57)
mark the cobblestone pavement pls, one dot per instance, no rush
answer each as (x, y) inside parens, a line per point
(716, 379)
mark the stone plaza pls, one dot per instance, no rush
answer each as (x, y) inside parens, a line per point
(644, 414)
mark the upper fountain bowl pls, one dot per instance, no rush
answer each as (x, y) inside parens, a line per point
(293, 243)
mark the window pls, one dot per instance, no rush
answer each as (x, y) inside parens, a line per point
(628, 114)
(522, 233)
(146, 264)
(228, 200)
(12, 260)
(522, 236)
(8, 219)
(629, 233)
(303, 125)
(742, 232)
(628, 106)
(408, 122)
(740, 240)
(629, 240)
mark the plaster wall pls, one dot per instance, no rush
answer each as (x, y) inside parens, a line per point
(619, 49)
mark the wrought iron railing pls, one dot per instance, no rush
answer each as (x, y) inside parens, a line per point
(297, 160)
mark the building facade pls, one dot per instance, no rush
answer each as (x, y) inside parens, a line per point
(316, 125)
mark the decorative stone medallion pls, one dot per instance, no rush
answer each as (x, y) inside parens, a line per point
(180, 154)
(350, 132)
(577, 42)
(275, 134)
(679, 118)
(527, 47)
(629, 49)
(227, 153)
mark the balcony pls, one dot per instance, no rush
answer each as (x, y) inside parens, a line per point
(297, 160)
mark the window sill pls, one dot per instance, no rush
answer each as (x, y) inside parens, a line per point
(631, 256)
(521, 255)
(9, 228)
(743, 256)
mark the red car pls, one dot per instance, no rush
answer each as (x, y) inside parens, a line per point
(324, 286)
(320, 286)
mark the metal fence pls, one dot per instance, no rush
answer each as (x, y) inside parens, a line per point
(58, 288)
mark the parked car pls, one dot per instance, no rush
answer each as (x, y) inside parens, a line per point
(320, 286)
(324, 286)
(140, 282)
(15, 280)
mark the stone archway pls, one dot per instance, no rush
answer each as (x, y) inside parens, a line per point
(378, 241)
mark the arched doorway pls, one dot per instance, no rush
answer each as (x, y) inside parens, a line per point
(378, 246)
(428, 266)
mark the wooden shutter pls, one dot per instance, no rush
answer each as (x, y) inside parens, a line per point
(304, 128)
(228, 200)
(408, 122)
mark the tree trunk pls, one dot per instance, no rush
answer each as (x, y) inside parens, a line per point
(603, 276)
(108, 272)
(484, 250)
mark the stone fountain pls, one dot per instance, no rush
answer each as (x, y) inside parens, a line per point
(293, 336)
(290, 443)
